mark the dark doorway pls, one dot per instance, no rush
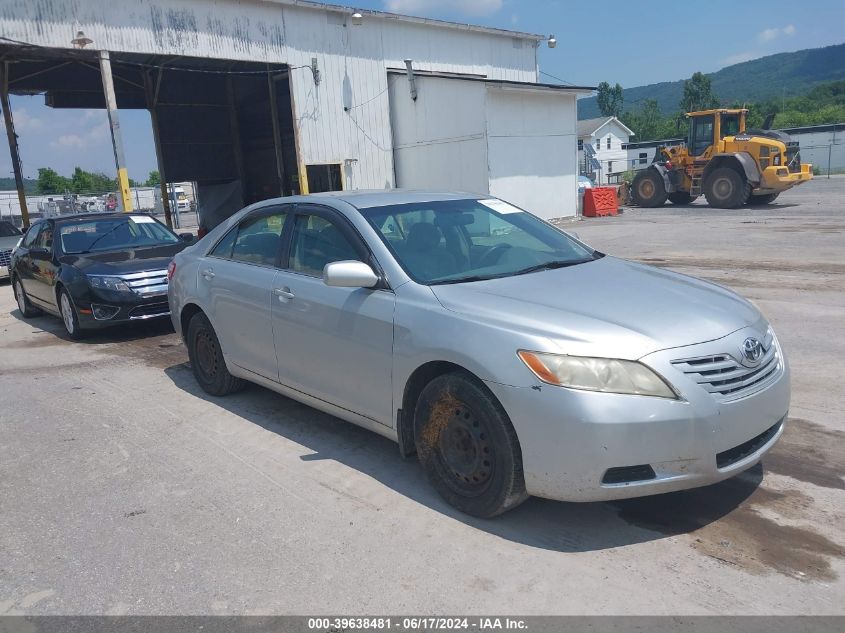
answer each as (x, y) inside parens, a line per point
(324, 178)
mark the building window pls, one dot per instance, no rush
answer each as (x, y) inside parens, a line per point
(609, 166)
(580, 144)
(608, 141)
(643, 158)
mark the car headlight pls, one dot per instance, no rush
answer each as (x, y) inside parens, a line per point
(104, 282)
(609, 375)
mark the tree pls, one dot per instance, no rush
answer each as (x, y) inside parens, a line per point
(154, 179)
(610, 99)
(698, 94)
(50, 182)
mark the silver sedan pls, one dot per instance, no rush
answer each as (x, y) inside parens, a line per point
(513, 359)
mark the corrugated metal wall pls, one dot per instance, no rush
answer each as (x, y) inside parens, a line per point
(352, 59)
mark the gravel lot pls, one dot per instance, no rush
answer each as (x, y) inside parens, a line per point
(124, 489)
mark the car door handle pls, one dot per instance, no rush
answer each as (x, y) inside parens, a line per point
(283, 293)
(208, 273)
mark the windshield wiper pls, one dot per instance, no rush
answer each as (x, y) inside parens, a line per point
(109, 232)
(552, 265)
(461, 280)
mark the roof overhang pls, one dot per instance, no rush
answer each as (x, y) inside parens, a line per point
(503, 83)
(384, 15)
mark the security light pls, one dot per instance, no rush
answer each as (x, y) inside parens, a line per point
(552, 41)
(80, 41)
(357, 19)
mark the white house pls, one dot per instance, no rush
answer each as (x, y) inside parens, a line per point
(605, 136)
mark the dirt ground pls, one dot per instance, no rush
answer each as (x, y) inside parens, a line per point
(125, 489)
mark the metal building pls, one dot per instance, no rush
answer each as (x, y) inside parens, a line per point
(258, 98)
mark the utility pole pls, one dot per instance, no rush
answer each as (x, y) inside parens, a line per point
(13, 142)
(116, 137)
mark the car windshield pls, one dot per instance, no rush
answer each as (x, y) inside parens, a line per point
(453, 241)
(7, 229)
(105, 234)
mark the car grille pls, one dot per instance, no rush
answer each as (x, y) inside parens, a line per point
(5, 257)
(737, 453)
(726, 378)
(147, 284)
(149, 311)
(793, 157)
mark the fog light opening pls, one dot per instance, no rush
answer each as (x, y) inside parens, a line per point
(104, 313)
(629, 474)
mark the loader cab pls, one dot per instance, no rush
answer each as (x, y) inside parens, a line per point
(708, 127)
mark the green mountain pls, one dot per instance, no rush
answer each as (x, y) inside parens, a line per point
(768, 77)
(8, 184)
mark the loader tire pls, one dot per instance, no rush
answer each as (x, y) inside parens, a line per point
(681, 197)
(726, 188)
(756, 201)
(648, 189)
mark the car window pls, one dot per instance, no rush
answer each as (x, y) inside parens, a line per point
(259, 239)
(453, 240)
(317, 242)
(102, 234)
(224, 246)
(31, 234)
(45, 237)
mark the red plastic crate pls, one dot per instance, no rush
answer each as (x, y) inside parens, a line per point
(599, 201)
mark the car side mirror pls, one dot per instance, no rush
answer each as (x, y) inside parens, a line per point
(39, 252)
(349, 274)
(186, 237)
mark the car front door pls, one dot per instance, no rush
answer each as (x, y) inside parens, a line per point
(44, 269)
(23, 256)
(236, 281)
(335, 344)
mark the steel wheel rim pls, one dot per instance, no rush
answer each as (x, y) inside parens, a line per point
(466, 452)
(20, 297)
(646, 189)
(206, 354)
(67, 313)
(723, 187)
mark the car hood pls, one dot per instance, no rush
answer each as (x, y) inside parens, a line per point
(124, 261)
(608, 307)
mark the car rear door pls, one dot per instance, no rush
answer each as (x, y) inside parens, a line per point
(335, 344)
(235, 282)
(44, 270)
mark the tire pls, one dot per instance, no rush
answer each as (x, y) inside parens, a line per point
(27, 310)
(726, 188)
(207, 360)
(681, 197)
(70, 318)
(468, 447)
(648, 189)
(768, 198)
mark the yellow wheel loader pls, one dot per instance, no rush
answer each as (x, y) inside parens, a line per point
(730, 165)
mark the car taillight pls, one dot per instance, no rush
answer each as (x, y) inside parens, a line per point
(171, 268)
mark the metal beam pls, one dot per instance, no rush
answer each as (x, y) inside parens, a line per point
(116, 137)
(152, 95)
(237, 148)
(13, 141)
(277, 134)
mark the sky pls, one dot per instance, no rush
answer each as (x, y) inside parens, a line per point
(629, 42)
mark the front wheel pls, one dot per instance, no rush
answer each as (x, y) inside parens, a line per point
(648, 189)
(207, 360)
(69, 316)
(468, 447)
(725, 188)
(768, 198)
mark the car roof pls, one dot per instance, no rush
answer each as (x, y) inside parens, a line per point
(95, 216)
(369, 198)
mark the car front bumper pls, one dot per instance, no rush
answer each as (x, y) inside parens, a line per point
(589, 446)
(126, 308)
(4, 272)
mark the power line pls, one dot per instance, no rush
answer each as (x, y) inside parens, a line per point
(543, 72)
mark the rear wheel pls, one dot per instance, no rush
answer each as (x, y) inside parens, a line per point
(681, 197)
(768, 198)
(27, 310)
(648, 189)
(726, 188)
(207, 360)
(69, 316)
(468, 447)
